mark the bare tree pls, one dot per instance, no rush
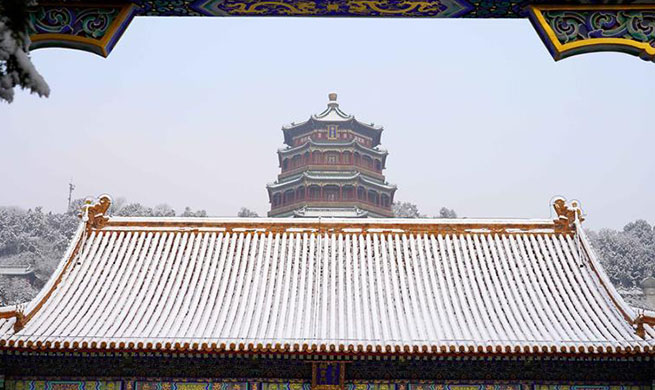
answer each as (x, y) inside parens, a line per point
(245, 212)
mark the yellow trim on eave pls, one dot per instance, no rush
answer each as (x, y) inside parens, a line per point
(100, 44)
(563, 49)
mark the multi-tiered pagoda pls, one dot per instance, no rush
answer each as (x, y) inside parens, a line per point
(332, 167)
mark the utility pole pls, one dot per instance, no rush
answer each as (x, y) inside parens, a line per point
(71, 187)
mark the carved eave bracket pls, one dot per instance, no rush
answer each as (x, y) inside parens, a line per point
(95, 28)
(94, 214)
(567, 214)
(570, 29)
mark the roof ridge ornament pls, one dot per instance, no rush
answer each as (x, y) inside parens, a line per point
(567, 214)
(19, 314)
(93, 214)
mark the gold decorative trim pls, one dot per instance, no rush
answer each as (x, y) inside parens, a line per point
(562, 50)
(97, 46)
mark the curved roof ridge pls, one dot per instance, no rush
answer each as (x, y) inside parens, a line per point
(616, 298)
(333, 113)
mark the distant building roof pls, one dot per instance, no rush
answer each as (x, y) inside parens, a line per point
(331, 212)
(350, 286)
(649, 282)
(16, 270)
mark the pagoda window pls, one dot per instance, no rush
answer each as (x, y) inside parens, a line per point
(332, 158)
(361, 193)
(285, 164)
(384, 200)
(368, 162)
(306, 158)
(373, 197)
(331, 193)
(289, 197)
(314, 192)
(358, 159)
(378, 165)
(296, 161)
(276, 199)
(318, 157)
(348, 192)
(300, 193)
(332, 131)
(345, 157)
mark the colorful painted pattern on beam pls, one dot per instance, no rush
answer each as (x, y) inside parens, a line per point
(91, 28)
(62, 385)
(378, 8)
(571, 30)
(243, 384)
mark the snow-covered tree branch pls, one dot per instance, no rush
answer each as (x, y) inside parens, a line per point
(16, 68)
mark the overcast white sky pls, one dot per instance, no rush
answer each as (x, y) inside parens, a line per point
(477, 116)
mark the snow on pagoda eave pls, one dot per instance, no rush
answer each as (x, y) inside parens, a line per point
(341, 176)
(369, 130)
(379, 152)
(332, 115)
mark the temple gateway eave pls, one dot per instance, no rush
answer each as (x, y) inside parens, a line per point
(566, 27)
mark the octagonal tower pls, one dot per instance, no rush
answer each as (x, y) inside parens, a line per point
(331, 167)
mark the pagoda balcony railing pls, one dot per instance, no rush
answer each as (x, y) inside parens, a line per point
(332, 167)
(365, 205)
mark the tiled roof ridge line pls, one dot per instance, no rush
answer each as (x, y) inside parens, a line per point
(324, 228)
(618, 301)
(46, 292)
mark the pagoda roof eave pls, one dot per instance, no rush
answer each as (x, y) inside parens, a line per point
(374, 132)
(304, 176)
(311, 142)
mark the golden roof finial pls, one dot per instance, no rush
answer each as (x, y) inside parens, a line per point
(332, 96)
(94, 214)
(567, 214)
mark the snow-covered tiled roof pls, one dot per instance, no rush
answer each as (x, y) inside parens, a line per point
(330, 175)
(331, 212)
(339, 285)
(333, 114)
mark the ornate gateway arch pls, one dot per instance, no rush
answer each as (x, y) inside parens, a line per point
(566, 27)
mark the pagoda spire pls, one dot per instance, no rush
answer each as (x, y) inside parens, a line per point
(332, 96)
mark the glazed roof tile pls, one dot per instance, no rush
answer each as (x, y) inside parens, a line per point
(299, 285)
